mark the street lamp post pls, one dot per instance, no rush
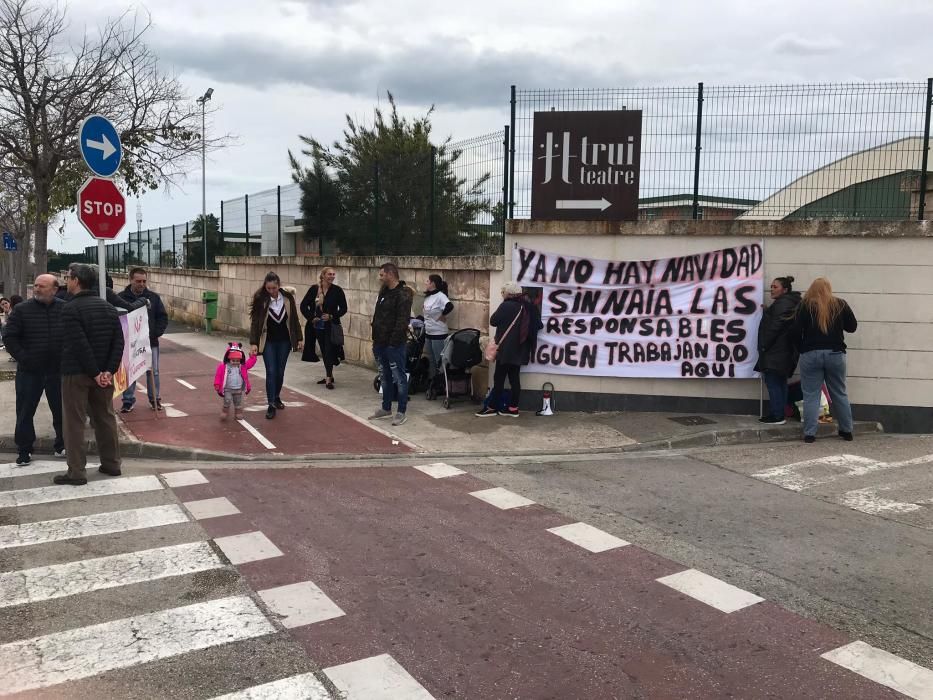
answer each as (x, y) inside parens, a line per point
(203, 100)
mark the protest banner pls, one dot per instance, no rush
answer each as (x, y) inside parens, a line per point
(689, 316)
(137, 355)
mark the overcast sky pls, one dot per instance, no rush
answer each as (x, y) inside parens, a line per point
(281, 68)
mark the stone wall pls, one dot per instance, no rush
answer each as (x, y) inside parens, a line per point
(239, 278)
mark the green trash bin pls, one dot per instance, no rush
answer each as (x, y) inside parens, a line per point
(210, 308)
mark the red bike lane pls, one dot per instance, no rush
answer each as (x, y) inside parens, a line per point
(475, 602)
(192, 416)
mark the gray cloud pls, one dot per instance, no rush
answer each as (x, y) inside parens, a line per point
(794, 45)
(446, 71)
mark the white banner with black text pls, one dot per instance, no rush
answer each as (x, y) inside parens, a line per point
(690, 316)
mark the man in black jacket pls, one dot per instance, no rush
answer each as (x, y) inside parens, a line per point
(33, 338)
(135, 292)
(390, 328)
(92, 349)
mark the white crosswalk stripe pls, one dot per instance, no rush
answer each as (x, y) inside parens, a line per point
(303, 687)
(45, 466)
(30, 664)
(52, 494)
(61, 580)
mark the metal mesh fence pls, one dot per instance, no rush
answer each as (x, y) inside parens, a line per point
(822, 151)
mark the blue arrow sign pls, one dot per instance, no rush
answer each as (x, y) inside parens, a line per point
(9, 243)
(100, 145)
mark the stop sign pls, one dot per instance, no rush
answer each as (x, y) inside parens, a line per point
(101, 208)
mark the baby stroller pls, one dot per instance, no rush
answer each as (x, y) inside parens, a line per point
(416, 366)
(453, 380)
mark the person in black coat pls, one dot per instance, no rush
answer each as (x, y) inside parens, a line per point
(136, 292)
(33, 338)
(92, 349)
(777, 353)
(517, 322)
(322, 308)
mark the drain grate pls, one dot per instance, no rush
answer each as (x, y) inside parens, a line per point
(693, 420)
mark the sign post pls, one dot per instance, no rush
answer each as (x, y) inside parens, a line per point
(101, 206)
(586, 165)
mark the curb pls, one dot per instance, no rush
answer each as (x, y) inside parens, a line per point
(710, 438)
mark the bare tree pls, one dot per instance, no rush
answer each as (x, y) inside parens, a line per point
(49, 85)
(15, 270)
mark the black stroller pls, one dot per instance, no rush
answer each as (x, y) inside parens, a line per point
(453, 380)
(416, 366)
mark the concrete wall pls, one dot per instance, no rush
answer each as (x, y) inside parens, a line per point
(239, 278)
(884, 270)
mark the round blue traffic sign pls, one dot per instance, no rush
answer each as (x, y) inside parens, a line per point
(100, 145)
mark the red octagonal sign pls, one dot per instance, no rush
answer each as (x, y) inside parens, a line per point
(101, 208)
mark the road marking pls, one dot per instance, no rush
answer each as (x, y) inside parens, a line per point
(303, 687)
(256, 434)
(210, 508)
(44, 531)
(788, 476)
(89, 651)
(288, 404)
(502, 498)
(868, 501)
(439, 470)
(376, 678)
(188, 477)
(185, 384)
(62, 580)
(172, 412)
(250, 546)
(9, 471)
(887, 669)
(300, 604)
(707, 589)
(51, 494)
(588, 537)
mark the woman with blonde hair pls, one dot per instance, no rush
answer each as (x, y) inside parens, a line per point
(322, 308)
(822, 320)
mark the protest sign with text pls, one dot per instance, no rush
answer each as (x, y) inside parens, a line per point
(137, 355)
(689, 316)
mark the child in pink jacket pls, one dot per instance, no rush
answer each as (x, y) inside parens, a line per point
(231, 380)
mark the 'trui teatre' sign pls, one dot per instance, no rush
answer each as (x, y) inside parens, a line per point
(586, 165)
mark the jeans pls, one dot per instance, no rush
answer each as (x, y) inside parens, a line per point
(275, 357)
(777, 392)
(29, 388)
(391, 359)
(435, 347)
(816, 368)
(152, 382)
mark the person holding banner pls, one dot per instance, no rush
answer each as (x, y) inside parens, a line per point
(137, 291)
(777, 355)
(822, 320)
(517, 323)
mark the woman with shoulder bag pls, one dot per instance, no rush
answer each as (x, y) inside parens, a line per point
(322, 308)
(517, 323)
(777, 354)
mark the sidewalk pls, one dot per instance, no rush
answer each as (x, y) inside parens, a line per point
(431, 429)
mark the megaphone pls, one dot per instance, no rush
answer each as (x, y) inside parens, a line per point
(547, 393)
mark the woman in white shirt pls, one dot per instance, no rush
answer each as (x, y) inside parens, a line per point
(435, 311)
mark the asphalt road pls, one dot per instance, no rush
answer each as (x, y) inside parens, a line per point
(846, 538)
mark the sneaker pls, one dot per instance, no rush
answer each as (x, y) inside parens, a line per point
(156, 405)
(109, 472)
(238, 415)
(23, 459)
(399, 419)
(845, 436)
(60, 453)
(772, 420)
(279, 405)
(126, 408)
(224, 413)
(270, 412)
(380, 413)
(809, 438)
(66, 480)
(511, 412)
(488, 411)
